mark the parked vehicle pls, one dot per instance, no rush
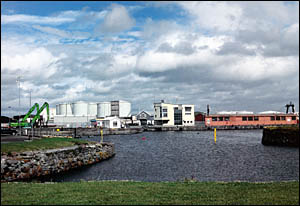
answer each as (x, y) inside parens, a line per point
(8, 131)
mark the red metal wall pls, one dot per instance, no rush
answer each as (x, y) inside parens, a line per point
(235, 120)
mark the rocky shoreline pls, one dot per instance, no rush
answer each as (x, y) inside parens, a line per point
(25, 165)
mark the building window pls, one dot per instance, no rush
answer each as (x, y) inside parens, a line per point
(250, 118)
(183, 121)
(244, 118)
(220, 118)
(283, 118)
(187, 113)
(226, 118)
(293, 117)
(165, 114)
(272, 118)
(177, 116)
(115, 124)
(191, 121)
(277, 117)
(256, 119)
(214, 119)
(188, 109)
(165, 110)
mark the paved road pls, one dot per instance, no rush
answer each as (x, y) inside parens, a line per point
(16, 138)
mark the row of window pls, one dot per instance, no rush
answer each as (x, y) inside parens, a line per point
(251, 118)
(220, 119)
(187, 121)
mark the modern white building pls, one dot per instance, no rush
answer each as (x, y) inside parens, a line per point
(166, 114)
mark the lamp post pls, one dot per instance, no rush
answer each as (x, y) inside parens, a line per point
(9, 107)
(18, 82)
(29, 98)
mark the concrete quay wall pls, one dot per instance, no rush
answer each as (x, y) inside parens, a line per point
(78, 132)
(26, 165)
(201, 128)
(281, 136)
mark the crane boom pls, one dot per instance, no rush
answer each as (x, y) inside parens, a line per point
(37, 116)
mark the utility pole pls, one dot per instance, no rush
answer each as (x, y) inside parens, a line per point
(18, 82)
(29, 98)
(9, 107)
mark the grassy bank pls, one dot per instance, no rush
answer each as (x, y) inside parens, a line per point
(40, 144)
(125, 193)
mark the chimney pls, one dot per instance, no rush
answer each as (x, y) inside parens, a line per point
(208, 110)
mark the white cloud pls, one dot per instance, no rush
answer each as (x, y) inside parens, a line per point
(53, 31)
(219, 16)
(21, 18)
(116, 20)
(28, 61)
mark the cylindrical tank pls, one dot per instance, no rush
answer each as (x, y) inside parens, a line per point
(57, 110)
(80, 108)
(103, 109)
(63, 109)
(124, 108)
(92, 109)
(69, 109)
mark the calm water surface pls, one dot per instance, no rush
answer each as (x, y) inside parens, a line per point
(172, 156)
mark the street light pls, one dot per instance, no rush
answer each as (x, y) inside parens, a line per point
(9, 107)
(18, 82)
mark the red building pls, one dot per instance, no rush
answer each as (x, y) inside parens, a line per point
(251, 119)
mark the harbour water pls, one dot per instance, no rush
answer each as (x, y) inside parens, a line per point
(237, 155)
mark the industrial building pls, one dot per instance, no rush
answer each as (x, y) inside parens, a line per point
(80, 114)
(166, 114)
(242, 119)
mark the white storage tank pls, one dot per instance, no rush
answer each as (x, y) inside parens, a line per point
(244, 112)
(80, 108)
(124, 108)
(57, 110)
(92, 110)
(63, 109)
(69, 109)
(103, 109)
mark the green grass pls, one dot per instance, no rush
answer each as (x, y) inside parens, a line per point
(41, 144)
(127, 193)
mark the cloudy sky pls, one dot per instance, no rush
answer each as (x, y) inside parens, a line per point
(230, 55)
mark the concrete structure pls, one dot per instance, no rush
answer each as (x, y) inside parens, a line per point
(166, 114)
(73, 121)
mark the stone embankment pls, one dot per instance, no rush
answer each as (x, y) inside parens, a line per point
(78, 132)
(25, 165)
(281, 136)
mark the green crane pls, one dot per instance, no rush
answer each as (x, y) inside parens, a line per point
(24, 123)
(37, 116)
